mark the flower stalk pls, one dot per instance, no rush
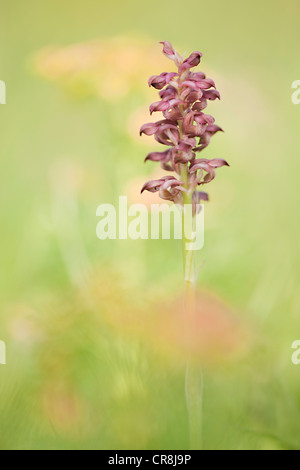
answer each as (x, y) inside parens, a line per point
(186, 131)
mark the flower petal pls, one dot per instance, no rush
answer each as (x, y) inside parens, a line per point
(218, 163)
(168, 50)
(159, 156)
(159, 106)
(149, 129)
(211, 95)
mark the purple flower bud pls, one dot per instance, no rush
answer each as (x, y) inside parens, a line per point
(191, 84)
(168, 93)
(218, 163)
(169, 188)
(199, 83)
(203, 166)
(173, 114)
(203, 162)
(211, 95)
(203, 119)
(154, 185)
(160, 81)
(167, 134)
(199, 106)
(168, 50)
(172, 191)
(192, 61)
(200, 164)
(209, 166)
(152, 127)
(159, 156)
(190, 129)
(189, 142)
(191, 96)
(163, 157)
(183, 152)
(198, 76)
(213, 129)
(149, 128)
(180, 157)
(206, 84)
(159, 106)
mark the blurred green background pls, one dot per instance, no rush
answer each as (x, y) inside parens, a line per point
(79, 372)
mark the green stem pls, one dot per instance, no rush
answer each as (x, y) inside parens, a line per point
(194, 385)
(194, 379)
(189, 258)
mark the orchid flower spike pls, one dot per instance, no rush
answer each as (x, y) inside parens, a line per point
(185, 129)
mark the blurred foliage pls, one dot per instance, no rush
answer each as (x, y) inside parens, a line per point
(95, 355)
